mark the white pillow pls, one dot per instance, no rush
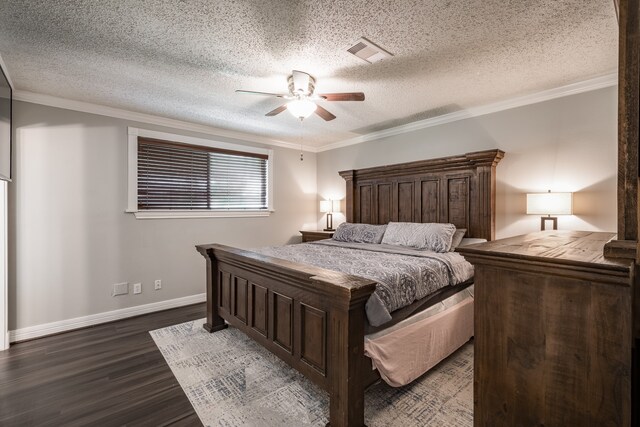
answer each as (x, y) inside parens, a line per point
(430, 236)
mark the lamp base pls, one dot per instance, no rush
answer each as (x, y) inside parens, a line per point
(329, 222)
(544, 219)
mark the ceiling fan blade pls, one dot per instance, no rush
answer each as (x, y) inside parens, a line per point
(324, 114)
(251, 92)
(300, 81)
(346, 96)
(278, 110)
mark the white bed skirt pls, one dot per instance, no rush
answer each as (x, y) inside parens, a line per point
(410, 348)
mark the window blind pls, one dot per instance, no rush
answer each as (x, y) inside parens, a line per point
(174, 176)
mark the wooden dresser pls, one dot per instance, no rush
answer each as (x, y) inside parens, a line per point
(313, 235)
(552, 331)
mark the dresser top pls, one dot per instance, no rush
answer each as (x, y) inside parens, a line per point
(557, 246)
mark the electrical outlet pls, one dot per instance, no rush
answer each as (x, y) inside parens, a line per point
(120, 289)
(137, 288)
(158, 284)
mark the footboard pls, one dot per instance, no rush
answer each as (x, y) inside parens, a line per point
(312, 318)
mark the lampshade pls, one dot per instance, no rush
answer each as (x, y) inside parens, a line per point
(330, 206)
(550, 203)
(301, 108)
(326, 206)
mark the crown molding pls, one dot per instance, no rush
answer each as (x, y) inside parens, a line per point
(601, 82)
(607, 80)
(86, 107)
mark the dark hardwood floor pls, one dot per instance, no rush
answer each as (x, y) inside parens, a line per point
(106, 375)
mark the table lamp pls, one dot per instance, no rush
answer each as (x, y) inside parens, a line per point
(549, 204)
(329, 207)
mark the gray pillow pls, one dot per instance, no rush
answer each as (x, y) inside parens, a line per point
(430, 236)
(471, 241)
(359, 233)
(457, 238)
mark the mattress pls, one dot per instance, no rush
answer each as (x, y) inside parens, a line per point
(403, 275)
(425, 339)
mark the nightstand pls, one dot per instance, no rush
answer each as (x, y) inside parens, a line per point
(311, 235)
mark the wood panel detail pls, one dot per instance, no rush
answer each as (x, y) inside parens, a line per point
(283, 321)
(259, 307)
(405, 202)
(364, 208)
(240, 298)
(429, 200)
(458, 202)
(383, 205)
(313, 348)
(225, 291)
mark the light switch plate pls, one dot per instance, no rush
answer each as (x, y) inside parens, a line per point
(137, 288)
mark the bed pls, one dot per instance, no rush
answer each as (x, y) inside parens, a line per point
(315, 319)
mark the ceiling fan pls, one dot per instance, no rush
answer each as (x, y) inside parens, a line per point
(302, 99)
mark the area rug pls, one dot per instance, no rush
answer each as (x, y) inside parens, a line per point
(231, 381)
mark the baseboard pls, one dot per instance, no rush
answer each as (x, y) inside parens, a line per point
(95, 319)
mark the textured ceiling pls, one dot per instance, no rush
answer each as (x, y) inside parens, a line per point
(184, 59)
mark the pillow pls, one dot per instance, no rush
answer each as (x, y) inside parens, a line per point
(359, 233)
(471, 241)
(430, 236)
(457, 238)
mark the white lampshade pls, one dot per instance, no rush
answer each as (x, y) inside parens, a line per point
(550, 203)
(301, 108)
(330, 206)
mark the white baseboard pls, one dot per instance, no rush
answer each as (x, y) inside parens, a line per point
(31, 332)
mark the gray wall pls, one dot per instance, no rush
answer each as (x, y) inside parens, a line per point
(566, 144)
(71, 239)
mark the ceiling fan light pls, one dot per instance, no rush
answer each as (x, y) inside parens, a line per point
(301, 108)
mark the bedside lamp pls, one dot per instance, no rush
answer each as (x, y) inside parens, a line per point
(549, 204)
(328, 207)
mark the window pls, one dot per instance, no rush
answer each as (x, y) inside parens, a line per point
(187, 177)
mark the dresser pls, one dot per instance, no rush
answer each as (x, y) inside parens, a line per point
(312, 235)
(552, 331)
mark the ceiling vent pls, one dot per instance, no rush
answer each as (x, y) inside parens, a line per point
(368, 51)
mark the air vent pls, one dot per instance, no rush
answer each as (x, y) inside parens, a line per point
(368, 51)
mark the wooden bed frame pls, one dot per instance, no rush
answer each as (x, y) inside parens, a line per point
(314, 319)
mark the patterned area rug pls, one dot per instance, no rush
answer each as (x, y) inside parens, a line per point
(232, 381)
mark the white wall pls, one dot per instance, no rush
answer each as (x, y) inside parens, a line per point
(71, 239)
(566, 144)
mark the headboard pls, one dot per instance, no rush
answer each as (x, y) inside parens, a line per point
(458, 189)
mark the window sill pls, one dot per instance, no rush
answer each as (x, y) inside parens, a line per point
(199, 214)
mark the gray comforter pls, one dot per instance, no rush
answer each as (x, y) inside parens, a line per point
(403, 275)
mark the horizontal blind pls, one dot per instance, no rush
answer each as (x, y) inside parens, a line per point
(175, 176)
